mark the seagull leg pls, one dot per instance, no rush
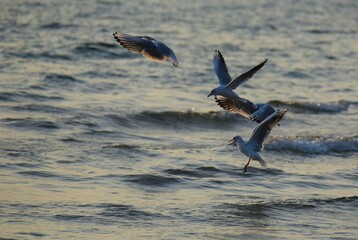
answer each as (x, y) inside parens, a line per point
(247, 164)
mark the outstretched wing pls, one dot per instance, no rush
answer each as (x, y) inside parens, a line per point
(263, 111)
(237, 105)
(220, 68)
(261, 132)
(245, 76)
(145, 45)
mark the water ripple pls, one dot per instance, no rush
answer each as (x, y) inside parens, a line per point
(151, 180)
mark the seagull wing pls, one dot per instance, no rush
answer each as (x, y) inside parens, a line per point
(263, 111)
(261, 132)
(220, 68)
(245, 76)
(147, 46)
(237, 105)
(165, 51)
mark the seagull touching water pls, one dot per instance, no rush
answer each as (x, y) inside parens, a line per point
(227, 85)
(149, 47)
(254, 145)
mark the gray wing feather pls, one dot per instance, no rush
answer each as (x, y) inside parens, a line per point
(220, 68)
(263, 111)
(245, 76)
(261, 132)
(145, 45)
(237, 105)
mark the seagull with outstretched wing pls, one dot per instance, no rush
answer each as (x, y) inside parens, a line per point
(227, 85)
(254, 145)
(229, 100)
(245, 108)
(149, 47)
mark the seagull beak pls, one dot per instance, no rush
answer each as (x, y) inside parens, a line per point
(232, 141)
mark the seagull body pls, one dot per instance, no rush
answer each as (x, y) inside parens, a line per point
(246, 108)
(254, 145)
(149, 47)
(227, 85)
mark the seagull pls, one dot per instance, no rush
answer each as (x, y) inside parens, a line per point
(149, 47)
(227, 85)
(246, 108)
(254, 145)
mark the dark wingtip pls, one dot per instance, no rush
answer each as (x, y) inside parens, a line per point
(264, 61)
(218, 52)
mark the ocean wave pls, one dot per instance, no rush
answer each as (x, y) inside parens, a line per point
(72, 217)
(57, 25)
(100, 49)
(42, 174)
(331, 31)
(22, 95)
(178, 117)
(122, 146)
(221, 119)
(350, 199)
(40, 55)
(71, 140)
(214, 119)
(51, 175)
(298, 74)
(60, 81)
(197, 173)
(31, 124)
(213, 173)
(150, 180)
(312, 107)
(314, 145)
(124, 211)
(32, 234)
(297, 204)
(39, 108)
(108, 213)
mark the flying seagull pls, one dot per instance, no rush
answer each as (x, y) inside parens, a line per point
(227, 85)
(149, 47)
(254, 145)
(246, 108)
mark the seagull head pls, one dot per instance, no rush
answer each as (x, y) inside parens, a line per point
(223, 91)
(173, 59)
(236, 140)
(213, 92)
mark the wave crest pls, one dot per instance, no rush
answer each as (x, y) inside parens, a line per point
(314, 145)
(99, 50)
(312, 107)
(188, 116)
